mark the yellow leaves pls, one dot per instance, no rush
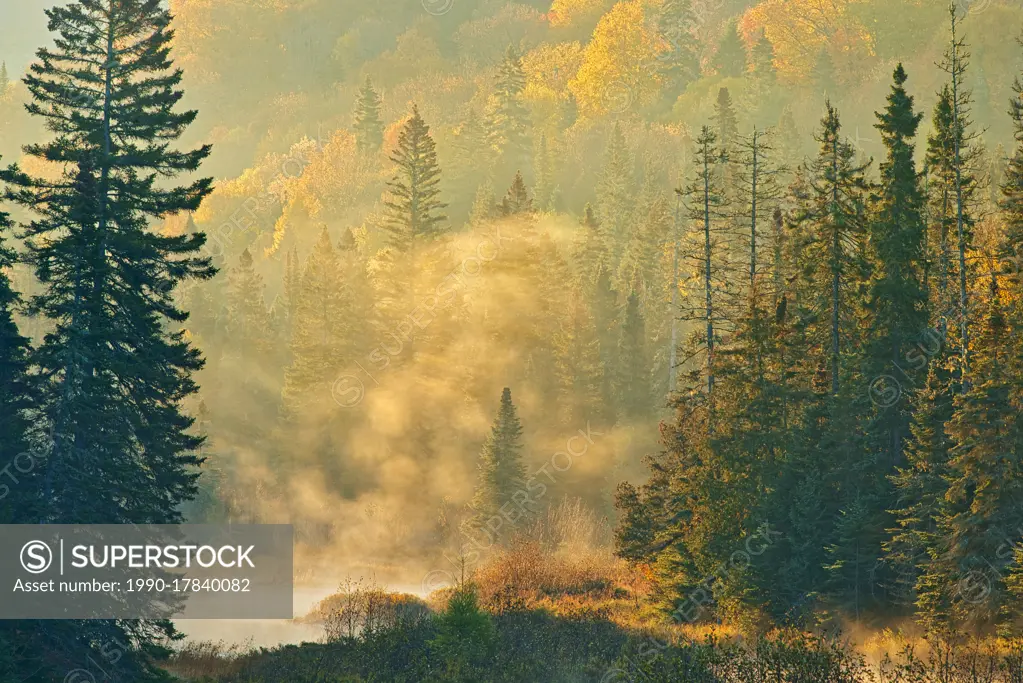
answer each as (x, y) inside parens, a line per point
(799, 30)
(569, 12)
(619, 68)
(548, 69)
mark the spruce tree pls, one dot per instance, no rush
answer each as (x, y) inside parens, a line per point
(319, 337)
(367, 124)
(107, 278)
(501, 472)
(578, 367)
(16, 399)
(591, 250)
(677, 25)
(249, 404)
(897, 291)
(413, 207)
(4, 78)
(730, 59)
(981, 514)
(123, 450)
(763, 61)
(726, 124)
(516, 200)
(615, 190)
(823, 76)
(830, 224)
(633, 381)
(706, 211)
(546, 191)
(509, 119)
(955, 169)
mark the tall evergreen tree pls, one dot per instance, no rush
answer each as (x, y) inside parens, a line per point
(578, 366)
(413, 207)
(367, 124)
(501, 472)
(706, 212)
(633, 380)
(123, 450)
(830, 222)
(897, 290)
(680, 64)
(4, 78)
(960, 99)
(509, 119)
(615, 190)
(726, 124)
(16, 398)
(319, 337)
(730, 58)
(763, 61)
(546, 191)
(249, 398)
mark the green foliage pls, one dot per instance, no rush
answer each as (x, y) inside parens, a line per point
(414, 206)
(500, 470)
(465, 638)
(368, 127)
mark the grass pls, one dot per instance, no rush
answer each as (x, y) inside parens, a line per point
(556, 606)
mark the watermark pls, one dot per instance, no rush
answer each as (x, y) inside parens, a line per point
(25, 463)
(438, 7)
(973, 6)
(522, 505)
(977, 584)
(110, 652)
(349, 388)
(63, 571)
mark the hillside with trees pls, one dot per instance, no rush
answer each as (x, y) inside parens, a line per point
(591, 321)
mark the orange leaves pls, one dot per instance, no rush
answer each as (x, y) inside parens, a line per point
(799, 30)
(619, 68)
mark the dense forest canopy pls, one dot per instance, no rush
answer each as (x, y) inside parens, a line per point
(411, 274)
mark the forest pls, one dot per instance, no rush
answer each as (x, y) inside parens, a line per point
(578, 340)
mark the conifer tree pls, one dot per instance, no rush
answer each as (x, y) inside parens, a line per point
(94, 231)
(823, 77)
(546, 192)
(955, 65)
(591, 252)
(16, 397)
(367, 124)
(897, 291)
(763, 61)
(483, 208)
(680, 64)
(517, 199)
(509, 119)
(123, 450)
(413, 207)
(501, 472)
(706, 212)
(830, 221)
(319, 337)
(633, 381)
(730, 59)
(245, 368)
(4, 78)
(1011, 204)
(615, 194)
(726, 124)
(578, 366)
(981, 508)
